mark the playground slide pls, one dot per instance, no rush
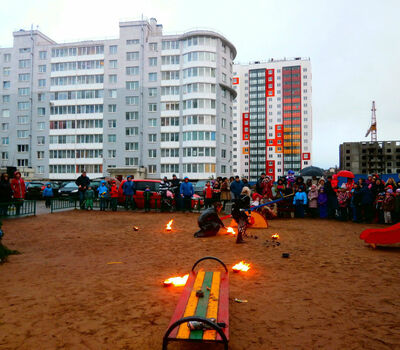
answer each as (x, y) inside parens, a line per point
(388, 235)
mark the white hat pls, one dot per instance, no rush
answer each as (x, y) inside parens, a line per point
(343, 187)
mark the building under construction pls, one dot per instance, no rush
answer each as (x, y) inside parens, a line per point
(381, 157)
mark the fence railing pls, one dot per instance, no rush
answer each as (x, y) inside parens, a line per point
(18, 208)
(62, 203)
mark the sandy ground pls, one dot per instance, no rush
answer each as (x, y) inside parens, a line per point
(332, 293)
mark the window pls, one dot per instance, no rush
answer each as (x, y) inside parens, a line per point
(132, 56)
(112, 108)
(40, 140)
(132, 85)
(113, 64)
(24, 91)
(41, 96)
(152, 61)
(131, 161)
(112, 93)
(152, 169)
(23, 119)
(6, 71)
(41, 125)
(152, 92)
(152, 153)
(24, 63)
(223, 77)
(132, 131)
(223, 153)
(170, 45)
(42, 82)
(40, 169)
(6, 85)
(4, 155)
(132, 42)
(165, 60)
(132, 115)
(22, 162)
(153, 46)
(5, 126)
(132, 70)
(42, 55)
(113, 49)
(223, 169)
(112, 138)
(23, 106)
(223, 61)
(112, 78)
(5, 113)
(112, 123)
(132, 100)
(22, 134)
(41, 111)
(152, 76)
(152, 107)
(152, 122)
(152, 137)
(131, 146)
(22, 148)
(6, 98)
(5, 141)
(7, 57)
(40, 154)
(24, 77)
(112, 153)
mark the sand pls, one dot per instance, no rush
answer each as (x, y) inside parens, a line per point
(332, 293)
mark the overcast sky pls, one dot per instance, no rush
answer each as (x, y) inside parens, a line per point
(354, 48)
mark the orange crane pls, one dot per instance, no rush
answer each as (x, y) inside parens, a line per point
(372, 128)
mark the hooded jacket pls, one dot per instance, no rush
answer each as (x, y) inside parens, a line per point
(114, 191)
(48, 191)
(300, 196)
(313, 198)
(18, 188)
(5, 190)
(129, 188)
(187, 189)
(102, 189)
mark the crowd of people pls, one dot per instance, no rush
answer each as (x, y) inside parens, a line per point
(366, 200)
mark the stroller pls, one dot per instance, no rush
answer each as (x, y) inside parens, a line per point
(167, 198)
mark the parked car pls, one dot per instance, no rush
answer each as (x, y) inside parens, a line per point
(199, 187)
(70, 189)
(34, 190)
(154, 186)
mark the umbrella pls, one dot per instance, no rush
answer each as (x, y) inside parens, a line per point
(345, 173)
(311, 171)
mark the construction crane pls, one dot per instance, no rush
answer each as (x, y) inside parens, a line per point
(372, 128)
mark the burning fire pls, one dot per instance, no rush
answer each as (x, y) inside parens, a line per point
(176, 281)
(168, 226)
(242, 266)
(275, 236)
(230, 230)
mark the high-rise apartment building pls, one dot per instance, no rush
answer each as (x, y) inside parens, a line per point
(163, 102)
(272, 117)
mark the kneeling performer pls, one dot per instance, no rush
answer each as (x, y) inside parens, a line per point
(209, 222)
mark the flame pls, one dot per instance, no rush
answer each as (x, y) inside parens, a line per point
(168, 226)
(242, 266)
(176, 281)
(230, 230)
(275, 236)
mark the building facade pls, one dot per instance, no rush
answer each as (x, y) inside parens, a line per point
(145, 99)
(272, 117)
(382, 157)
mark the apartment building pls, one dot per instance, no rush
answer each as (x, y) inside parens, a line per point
(272, 117)
(144, 99)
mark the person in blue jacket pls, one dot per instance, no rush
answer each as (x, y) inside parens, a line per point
(48, 194)
(129, 190)
(299, 201)
(236, 188)
(103, 195)
(187, 191)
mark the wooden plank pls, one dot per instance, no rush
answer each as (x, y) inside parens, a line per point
(183, 300)
(213, 302)
(202, 305)
(184, 331)
(223, 308)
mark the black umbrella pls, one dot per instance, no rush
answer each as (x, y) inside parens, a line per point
(312, 171)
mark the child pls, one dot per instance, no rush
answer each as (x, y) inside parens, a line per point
(103, 195)
(388, 206)
(343, 199)
(379, 207)
(114, 195)
(208, 195)
(89, 196)
(299, 201)
(323, 203)
(147, 196)
(48, 194)
(313, 200)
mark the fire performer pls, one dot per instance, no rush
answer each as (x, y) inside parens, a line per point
(239, 213)
(209, 222)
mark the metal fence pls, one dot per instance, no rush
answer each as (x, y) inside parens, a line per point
(62, 203)
(18, 208)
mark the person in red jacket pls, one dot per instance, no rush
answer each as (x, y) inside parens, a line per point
(19, 190)
(208, 195)
(114, 195)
